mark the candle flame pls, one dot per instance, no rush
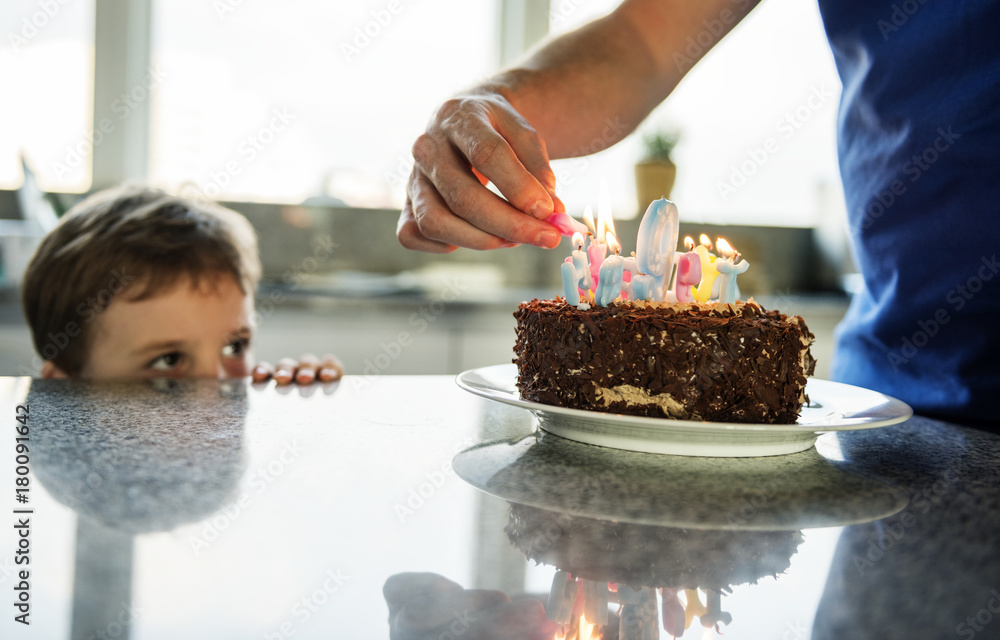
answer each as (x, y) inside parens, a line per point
(605, 222)
(725, 248)
(578, 240)
(705, 241)
(688, 243)
(613, 242)
(579, 630)
(588, 219)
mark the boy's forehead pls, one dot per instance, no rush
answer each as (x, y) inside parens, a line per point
(179, 311)
(148, 286)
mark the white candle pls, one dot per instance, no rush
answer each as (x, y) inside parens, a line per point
(576, 272)
(562, 597)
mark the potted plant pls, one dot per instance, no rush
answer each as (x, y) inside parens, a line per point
(656, 172)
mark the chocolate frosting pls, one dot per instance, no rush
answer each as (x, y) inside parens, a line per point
(714, 362)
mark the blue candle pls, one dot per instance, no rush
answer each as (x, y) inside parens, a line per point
(570, 288)
(642, 287)
(729, 270)
(657, 242)
(609, 283)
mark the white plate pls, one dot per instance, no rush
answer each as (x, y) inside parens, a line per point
(833, 407)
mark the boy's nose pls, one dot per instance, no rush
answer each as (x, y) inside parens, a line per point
(209, 367)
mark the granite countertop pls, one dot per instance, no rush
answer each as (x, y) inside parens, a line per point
(220, 509)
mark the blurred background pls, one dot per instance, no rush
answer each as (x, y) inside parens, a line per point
(301, 115)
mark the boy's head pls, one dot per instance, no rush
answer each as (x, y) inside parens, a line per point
(135, 282)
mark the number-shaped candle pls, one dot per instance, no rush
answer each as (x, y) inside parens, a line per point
(688, 272)
(656, 244)
(708, 272)
(730, 266)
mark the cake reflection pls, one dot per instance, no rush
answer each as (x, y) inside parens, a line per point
(796, 491)
(641, 541)
(637, 567)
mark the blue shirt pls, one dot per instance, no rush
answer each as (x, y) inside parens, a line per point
(919, 146)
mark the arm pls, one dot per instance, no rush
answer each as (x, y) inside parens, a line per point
(616, 69)
(620, 66)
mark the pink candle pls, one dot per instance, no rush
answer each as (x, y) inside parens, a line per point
(688, 272)
(597, 251)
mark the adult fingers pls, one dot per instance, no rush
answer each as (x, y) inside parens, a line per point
(437, 221)
(459, 210)
(501, 145)
(409, 235)
(530, 149)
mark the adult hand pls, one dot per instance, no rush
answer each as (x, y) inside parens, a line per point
(474, 139)
(305, 370)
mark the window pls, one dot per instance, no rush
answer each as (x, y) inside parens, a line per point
(46, 62)
(756, 118)
(306, 100)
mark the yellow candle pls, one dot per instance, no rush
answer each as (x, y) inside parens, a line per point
(708, 274)
(694, 608)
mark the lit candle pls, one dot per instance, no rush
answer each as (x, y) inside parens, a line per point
(605, 219)
(730, 266)
(708, 272)
(576, 272)
(688, 272)
(588, 220)
(656, 243)
(596, 251)
(598, 248)
(609, 284)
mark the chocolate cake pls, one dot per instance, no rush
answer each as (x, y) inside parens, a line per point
(692, 361)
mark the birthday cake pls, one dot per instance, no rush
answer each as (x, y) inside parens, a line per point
(634, 346)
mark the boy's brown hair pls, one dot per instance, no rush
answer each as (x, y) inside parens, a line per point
(130, 237)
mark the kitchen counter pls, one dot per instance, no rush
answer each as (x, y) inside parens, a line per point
(221, 509)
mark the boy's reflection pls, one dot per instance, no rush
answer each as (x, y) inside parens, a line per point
(132, 457)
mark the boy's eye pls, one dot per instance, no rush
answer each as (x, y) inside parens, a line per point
(236, 348)
(167, 361)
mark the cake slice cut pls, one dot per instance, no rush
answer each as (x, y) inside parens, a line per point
(710, 361)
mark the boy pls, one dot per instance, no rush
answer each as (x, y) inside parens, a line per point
(138, 283)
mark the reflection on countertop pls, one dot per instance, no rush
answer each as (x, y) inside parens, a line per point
(221, 509)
